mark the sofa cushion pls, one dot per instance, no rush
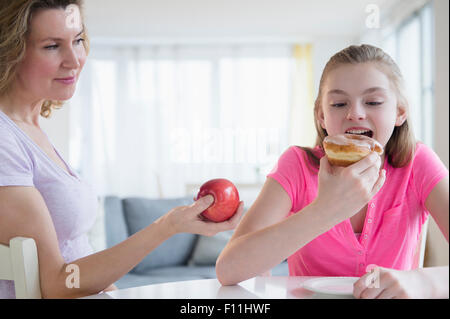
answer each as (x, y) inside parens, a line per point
(141, 212)
(208, 249)
(115, 226)
(198, 272)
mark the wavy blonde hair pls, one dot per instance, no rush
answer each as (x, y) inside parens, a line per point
(15, 19)
(401, 145)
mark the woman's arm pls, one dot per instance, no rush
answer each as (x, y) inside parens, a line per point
(23, 212)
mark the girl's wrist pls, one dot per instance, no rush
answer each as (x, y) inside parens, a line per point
(326, 215)
(329, 215)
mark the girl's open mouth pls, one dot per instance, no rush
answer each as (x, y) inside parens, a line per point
(368, 133)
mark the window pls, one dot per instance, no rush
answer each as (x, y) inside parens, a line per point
(150, 120)
(411, 46)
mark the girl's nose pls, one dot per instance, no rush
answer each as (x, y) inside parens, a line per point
(356, 112)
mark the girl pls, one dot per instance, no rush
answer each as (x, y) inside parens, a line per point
(335, 221)
(43, 47)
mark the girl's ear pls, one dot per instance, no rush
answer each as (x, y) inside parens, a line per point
(401, 115)
(320, 117)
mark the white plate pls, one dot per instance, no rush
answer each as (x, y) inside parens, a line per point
(331, 285)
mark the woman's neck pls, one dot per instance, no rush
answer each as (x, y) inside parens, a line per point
(20, 109)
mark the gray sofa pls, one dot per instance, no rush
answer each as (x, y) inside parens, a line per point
(182, 257)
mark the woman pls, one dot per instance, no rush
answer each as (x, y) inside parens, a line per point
(43, 47)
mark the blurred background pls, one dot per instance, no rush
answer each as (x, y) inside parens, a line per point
(176, 92)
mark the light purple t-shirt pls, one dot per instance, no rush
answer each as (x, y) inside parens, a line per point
(71, 202)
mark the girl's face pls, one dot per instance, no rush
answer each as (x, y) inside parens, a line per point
(55, 55)
(359, 98)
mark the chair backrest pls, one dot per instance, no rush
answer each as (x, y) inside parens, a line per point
(19, 262)
(421, 244)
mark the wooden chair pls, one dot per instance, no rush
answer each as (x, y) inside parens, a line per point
(19, 262)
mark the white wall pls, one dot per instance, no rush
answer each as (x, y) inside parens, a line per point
(226, 18)
(437, 252)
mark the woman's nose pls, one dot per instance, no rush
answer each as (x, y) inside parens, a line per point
(356, 112)
(71, 59)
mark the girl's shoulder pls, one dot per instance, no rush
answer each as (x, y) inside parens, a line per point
(425, 155)
(316, 151)
(297, 158)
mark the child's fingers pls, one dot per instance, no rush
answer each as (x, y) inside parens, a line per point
(379, 183)
(368, 161)
(325, 165)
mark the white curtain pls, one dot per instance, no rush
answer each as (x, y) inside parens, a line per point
(152, 120)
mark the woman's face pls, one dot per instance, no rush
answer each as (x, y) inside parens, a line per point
(358, 98)
(55, 55)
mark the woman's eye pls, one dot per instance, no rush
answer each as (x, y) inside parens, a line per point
(51, 47)
(374, 103)
(79, 41)
(338, 104)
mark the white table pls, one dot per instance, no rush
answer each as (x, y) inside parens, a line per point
(275, 287)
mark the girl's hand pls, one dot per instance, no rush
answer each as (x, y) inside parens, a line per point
(187, 219)
(384, 283)
(344, 191)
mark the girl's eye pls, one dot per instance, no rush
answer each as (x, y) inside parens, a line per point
(374, 103)
(338, 104)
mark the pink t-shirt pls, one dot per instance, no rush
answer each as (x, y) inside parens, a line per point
(393, 223)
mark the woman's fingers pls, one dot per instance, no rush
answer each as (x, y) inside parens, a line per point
(201, 204)
(234, 220)
(227, 224)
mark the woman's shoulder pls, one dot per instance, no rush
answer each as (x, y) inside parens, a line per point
(6, 133)
(11, 144)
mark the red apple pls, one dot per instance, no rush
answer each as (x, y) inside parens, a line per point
(226, 199)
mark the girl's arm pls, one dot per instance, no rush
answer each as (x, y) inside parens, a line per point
(265, 237)
(437, 205)
(24, 213)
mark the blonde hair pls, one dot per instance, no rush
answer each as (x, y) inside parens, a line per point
(15, 19)
(401, 146)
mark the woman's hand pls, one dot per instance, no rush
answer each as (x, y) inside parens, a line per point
(384, 283)
(344, 191)
(187, 219)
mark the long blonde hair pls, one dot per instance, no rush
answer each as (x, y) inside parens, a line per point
(15, 19)
(401, 146)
